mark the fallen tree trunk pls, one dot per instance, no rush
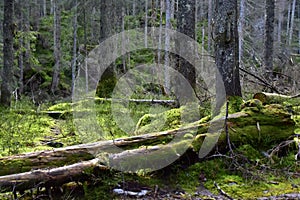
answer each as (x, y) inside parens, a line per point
(72, 154)
(271, 119)
(268, 98)
(47, 177)
(250, 126)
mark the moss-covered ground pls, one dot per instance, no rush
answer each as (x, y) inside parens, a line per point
(246, 173)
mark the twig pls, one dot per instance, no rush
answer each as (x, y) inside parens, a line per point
(222, 192)
(278, 147)
(260, 79)
(295, 96)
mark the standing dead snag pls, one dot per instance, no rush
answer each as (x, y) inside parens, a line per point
(226, 47)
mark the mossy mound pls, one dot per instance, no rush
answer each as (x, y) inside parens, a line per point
(169, 119)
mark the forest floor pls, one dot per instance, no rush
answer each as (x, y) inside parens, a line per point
(245, 173)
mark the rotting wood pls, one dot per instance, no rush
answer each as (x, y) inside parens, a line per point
(267, 98)
(54, 166)
(73, 154)
(47, 177)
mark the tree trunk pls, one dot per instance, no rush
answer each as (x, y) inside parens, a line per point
(281, 6)
(268, 98)
(52, 7)
(269, 36)
(226, 48)
(209, 18)
(241, 31)
(8, 53)
(186, 25)
(74, 58)
(146, 23)
(167, 47)
(57, 46)
(20, 14)
(45, 7)
(48, 177)
(292, 23)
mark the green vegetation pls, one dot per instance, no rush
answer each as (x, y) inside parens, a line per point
(250, 172)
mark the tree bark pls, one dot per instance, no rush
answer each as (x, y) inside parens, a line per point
(241, 31)
(209, 31)
(48, 177)
(292, 23)
(8, 53)
(20, 14)
(227, 48)
(269, 36)
(186, 25)
(146, 24)
(268, 98)
(57, 46)
(74, 56)
(167, 47)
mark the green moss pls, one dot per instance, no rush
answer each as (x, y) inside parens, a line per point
(61, 107)
(169, 119)
(252, 103)
(251, 153)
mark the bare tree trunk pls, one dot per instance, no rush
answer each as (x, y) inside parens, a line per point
(160, 32)
(227, 48)
(288, 22)
(186, 25)
(172, 9)
(74, 59)
(57, 46)
(167, 46)
(299, 29)
(45, 7)
(133, 8)
(209, 39)
(146, 24)
(240, 28)
(42, 8)
(20, 15)
(93, 24)
(51, 7)
(281, 6)
(85, 50)
(27, 64)
(292, 23)
(269, 36)
(123, 41)
(8, 53)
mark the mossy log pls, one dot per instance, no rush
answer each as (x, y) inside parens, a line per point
(267, 98)
(63, 110)
(260, 127)
(72, 154)
(48, 177)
